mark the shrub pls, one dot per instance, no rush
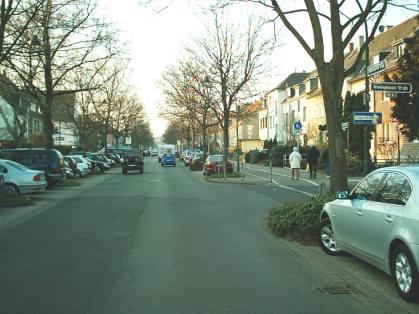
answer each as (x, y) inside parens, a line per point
(297, 218)
(353, 162)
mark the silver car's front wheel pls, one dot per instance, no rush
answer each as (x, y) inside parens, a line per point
(405, 274)
(327, 238)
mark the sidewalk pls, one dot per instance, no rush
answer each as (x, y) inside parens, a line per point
(304, 174)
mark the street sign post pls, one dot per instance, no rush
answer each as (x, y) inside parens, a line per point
(377, 68)
(370, 118)
(392, 87)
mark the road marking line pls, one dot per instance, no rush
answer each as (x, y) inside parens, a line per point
(282, 175)
(281, 186)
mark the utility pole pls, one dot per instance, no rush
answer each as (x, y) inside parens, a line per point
(366, 99)
(237, 138)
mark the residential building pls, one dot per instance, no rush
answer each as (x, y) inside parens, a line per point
(245, 134)
(63, 113)
(385, 49)
(273, 120)
(20, 116)
(294, 108)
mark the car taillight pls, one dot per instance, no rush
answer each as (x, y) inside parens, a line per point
(37, 178)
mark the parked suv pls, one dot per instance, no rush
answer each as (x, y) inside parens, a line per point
(132, 160)
(49, 161)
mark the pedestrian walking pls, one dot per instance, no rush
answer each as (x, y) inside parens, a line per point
(295, 163)
(312, 159)
(325, 159)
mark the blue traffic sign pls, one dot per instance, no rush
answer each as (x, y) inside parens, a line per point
(367, 118)
(298, 125)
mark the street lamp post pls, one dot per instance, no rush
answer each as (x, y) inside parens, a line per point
(366, 99)
(237, 138)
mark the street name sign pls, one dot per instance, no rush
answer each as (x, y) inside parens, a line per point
(377, 68)
(345, 125)
(370, 118)
(392, 87)
(298, 125)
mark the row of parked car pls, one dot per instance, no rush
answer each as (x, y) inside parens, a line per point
(209, 164)
(30, 170)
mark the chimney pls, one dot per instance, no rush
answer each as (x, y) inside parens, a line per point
(351, 47)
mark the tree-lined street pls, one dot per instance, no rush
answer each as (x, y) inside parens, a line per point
(169, 241)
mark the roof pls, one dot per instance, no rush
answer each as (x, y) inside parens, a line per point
(384, 42)
(293, 79)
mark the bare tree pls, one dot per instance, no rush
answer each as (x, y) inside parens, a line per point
(186, 89)
(12, 27)
(233, 61)
(71, 40)
(127, 112)
(341, 22)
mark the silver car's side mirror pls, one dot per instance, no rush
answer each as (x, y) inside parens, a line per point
(342, 195)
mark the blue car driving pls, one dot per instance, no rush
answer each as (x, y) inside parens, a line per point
(168, 160)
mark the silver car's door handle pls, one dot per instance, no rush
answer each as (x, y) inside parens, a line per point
(388, 219)
(360, 212)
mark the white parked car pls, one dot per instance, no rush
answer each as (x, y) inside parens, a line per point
(379, 222)
(20, 179)
(83, 165)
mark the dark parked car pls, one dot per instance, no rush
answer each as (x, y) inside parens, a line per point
(48, 160)
(99, 161)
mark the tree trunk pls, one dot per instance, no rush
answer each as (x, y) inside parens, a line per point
(48, 124)
(204, 135)
(226, 142)
(332, 90)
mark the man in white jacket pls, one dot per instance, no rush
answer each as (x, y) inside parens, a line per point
(295, 163)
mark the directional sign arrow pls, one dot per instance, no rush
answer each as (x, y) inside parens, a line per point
(367, 117)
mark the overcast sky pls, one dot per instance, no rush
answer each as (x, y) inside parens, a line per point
(156, 40)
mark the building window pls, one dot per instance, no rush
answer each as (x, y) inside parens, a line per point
(399, 50)
(36, 126)
(305, 114)
(386, 131)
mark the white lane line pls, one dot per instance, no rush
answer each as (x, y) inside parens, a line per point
(154, 180)
(282, 175)
(281, 186)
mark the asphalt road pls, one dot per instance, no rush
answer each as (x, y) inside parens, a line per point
(165, 241)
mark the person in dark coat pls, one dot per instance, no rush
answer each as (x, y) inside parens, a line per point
(312, 160)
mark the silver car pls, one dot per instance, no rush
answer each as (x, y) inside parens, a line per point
(20, 179)
(379, 222)
(83, 166)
